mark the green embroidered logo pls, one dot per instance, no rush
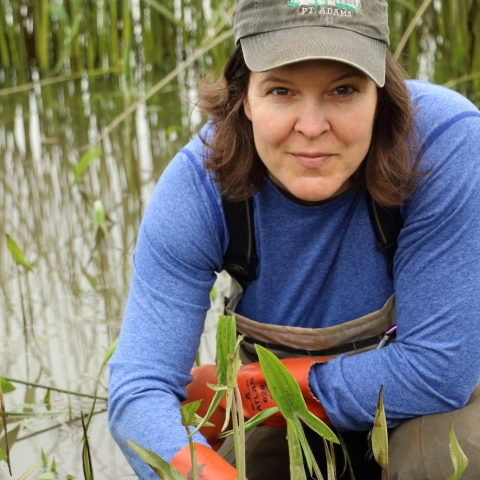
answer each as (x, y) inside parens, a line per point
(354, 6)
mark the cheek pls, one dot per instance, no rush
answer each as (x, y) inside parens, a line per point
(270, 129)
(359, 135)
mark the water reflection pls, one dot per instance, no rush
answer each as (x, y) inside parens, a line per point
(58, 320)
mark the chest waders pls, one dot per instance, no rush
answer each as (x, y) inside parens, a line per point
(418, 447)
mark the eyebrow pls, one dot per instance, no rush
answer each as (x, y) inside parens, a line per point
(272, 78)
(275, 78)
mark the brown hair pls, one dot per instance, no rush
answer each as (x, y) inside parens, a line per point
(388, 171)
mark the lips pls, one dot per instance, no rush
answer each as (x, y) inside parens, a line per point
(312, 160)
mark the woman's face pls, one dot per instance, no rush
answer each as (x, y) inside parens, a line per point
(312, 124)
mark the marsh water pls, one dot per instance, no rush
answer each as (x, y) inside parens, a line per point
(58, 318)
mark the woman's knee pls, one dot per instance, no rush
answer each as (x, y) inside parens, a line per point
(419, 448)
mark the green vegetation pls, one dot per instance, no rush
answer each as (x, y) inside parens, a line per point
(290, 402)
(133, 54)
(435, 40)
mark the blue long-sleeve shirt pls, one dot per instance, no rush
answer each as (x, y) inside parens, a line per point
(318, 266)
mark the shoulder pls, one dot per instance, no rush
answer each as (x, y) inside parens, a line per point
(437, 109)
(189, 162)
(186, 193)
(429, 98)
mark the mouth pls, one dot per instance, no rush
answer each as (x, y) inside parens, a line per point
(311, 160)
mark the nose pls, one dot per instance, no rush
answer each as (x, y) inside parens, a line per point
(312, 120)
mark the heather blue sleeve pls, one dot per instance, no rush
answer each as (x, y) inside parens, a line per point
(435, 363)
(178, 250)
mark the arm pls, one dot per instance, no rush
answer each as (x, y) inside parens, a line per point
(177, 252)
(435, 363)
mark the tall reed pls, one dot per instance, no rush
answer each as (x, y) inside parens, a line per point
(436, 40)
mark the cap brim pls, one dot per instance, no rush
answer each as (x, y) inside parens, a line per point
(266, 51)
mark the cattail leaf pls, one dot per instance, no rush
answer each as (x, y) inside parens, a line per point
(162, 468)
(17, 253)
(459, 459)
(87, 158)
(6, 386)
(380, 435)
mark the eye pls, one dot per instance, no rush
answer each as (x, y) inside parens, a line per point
(280, 91)
(344, 90)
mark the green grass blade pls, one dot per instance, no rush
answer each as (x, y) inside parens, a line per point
(86, 457)
(307, 451)
(346, 456)
(87, 158)
(17, 253)
(329, 455)
(53, 466)
(162, 468)
(6, 386)
(459, 459)
(380, 435)
(4, 424)
(108, 355)
(297, 470)
(44, 459)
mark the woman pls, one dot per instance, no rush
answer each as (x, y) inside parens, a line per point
(310, 116)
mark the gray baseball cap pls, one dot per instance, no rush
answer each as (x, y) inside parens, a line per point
(274, 33)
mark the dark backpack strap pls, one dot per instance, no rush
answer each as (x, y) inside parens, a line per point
(240, 259)
(386, 223)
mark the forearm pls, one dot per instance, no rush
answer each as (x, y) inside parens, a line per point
(348, 387)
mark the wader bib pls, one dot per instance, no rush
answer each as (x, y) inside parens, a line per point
(418, 448)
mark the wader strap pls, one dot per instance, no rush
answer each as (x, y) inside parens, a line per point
(386, 223)
(240, 259)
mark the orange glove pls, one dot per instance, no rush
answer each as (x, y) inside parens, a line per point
(256, 396)
(211, 465)
(198, 390)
